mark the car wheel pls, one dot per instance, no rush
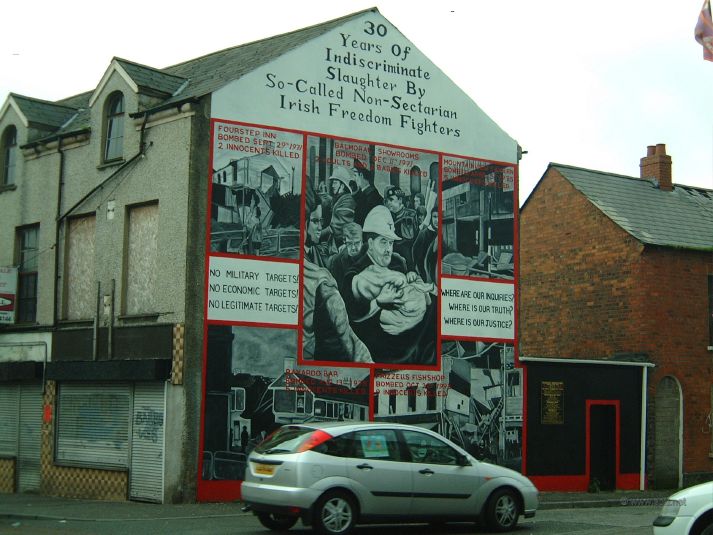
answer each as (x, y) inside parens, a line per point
(276, 522)
(502, 512)
(708, 530)
(335, 514)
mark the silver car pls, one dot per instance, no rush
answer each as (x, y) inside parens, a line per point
(335, 475)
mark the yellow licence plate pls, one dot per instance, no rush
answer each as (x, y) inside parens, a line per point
(264, 469)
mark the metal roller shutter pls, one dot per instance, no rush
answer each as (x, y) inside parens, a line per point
(9, 410)
(28, 458)
(93, 424)
(147, 443)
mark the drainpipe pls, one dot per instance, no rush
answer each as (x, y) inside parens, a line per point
(95, 327)
(642, 430)
(110, 337)
(142, 152)
(60, 189)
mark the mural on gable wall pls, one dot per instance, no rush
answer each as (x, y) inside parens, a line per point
(362, 252)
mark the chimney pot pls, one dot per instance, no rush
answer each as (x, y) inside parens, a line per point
(656, 165)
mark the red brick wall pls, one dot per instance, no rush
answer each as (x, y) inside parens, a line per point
(577, 276)
(674, 312)
(589, 290)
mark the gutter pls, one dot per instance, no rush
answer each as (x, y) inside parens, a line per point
(48, 139)
(535, 360)
(163, 107)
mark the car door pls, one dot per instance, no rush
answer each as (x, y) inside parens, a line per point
(381, 477)
(441, 486)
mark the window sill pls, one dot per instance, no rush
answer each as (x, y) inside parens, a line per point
(21, 325)
(133, 318)
(111, 163)
(76, 323)
(8, 187)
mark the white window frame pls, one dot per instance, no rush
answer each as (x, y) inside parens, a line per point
(114, 113)
(9, 156)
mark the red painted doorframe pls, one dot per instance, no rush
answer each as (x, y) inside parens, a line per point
(589, 403)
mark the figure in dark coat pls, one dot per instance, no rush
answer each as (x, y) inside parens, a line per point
(390, 308)
(367, 197)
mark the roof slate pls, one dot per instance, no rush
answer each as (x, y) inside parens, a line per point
(148, 77)
(203, 76)
(681, 218)
(209, 73)
(42, 112)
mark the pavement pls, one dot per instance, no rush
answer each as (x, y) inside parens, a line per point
(36, 506)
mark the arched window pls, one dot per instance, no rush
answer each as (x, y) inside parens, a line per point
(114, 128)
(415, 179)
(9, 155)
(394, 179)
(312, 163)
(433, 172)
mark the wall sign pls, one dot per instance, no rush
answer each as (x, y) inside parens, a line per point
(552, 402)
(8, 294)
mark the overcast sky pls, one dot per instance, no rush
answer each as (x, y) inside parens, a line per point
(589, 84)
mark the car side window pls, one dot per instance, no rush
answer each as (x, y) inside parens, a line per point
(427, 449)
(376, 444)
(336, 447)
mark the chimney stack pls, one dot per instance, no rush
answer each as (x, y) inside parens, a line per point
(657, 165)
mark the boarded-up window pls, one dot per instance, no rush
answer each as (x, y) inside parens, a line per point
(79, 277)
(141, 259)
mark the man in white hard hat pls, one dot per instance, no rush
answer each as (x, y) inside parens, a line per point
(377, 286)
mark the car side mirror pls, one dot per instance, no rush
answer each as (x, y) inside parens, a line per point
(462, 460)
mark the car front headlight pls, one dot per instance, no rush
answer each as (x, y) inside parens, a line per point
(669, 512)
(671, 508)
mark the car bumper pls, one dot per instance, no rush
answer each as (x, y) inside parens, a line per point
(530, 499)
(679, 525)
(257, 494)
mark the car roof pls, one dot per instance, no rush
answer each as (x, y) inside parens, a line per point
(345, 427)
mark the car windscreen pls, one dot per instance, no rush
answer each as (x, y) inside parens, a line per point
(285, 440)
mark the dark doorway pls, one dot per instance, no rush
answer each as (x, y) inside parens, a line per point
(467, 238)
(602, 447)
(667, 441)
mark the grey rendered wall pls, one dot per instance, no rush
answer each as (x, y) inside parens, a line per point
(34, 200)
(184, 487)
(160, 175)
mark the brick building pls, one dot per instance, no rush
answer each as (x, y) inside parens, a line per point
(620, 269)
